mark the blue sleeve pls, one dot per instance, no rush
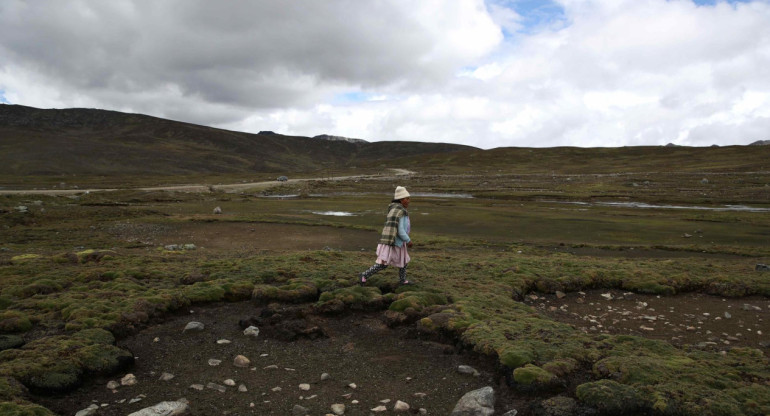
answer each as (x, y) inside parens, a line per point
(402, 229)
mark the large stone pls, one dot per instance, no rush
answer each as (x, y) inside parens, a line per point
(128, 380)
(466, 369)
(194, 326)
(88, 411)
(241, 361)
(338, 409)
(251, 331)
(400, 406)
(479, 402)
(163, 409)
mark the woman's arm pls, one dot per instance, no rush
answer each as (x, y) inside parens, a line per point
(402, 229)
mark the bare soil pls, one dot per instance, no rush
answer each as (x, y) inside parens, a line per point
(385, 364)
(692, 320)
(247, 237)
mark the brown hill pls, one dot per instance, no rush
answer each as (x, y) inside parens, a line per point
(99, 142)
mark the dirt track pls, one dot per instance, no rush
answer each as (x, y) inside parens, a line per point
(235, 187)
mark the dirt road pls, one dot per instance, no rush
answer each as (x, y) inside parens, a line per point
(235, 187)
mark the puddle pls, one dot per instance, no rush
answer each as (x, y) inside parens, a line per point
(642, 205)
(334, 213)
(440, 195)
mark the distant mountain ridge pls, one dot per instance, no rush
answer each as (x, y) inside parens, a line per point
(339, 138)
(100, 142)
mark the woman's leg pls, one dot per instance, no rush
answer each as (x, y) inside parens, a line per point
(402, 274)
(370, 271)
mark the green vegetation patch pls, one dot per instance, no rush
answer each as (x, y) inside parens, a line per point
(610, 397)
(354, 297)
(57, 363)
(533, 375)
(10, 341)
(23, 258)
(417, 299)
(14, 321)
(23, 409)
(296, 291)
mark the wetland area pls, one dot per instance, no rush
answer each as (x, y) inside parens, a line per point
(567, 294)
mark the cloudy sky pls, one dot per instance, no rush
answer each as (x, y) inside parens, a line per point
(494, 73)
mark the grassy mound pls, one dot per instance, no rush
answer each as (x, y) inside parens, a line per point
(57, 364)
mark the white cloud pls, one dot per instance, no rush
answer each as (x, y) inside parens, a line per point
(610, 73)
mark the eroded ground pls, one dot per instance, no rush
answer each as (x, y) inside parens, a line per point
(385, 365)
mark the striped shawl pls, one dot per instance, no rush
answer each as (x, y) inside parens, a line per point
(395, 212)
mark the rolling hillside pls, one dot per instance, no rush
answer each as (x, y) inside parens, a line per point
(99, 142)
(89, 142)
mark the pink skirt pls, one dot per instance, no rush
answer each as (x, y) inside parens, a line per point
(392, 255)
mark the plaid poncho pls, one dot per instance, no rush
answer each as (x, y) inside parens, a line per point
(390, 230)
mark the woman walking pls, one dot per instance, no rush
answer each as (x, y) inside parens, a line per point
(392, 248)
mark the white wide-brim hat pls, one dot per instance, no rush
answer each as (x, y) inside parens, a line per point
(401, 193)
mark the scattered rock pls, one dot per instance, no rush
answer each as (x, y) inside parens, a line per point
(223, 341)
(400, 406)
(762, 268)
(88, 411)
(189, 247)
(112, 385)
(166, 377)
(217, 387)
(217, 210)
(251, 331)
(560, 294)
(298, 410)
(163, 409)
(198, 387)
(479, 402)
(241, 361)
(128, 380)
(325, 376)
(242, 388)
(512, 412)
(727, 315)
(304, 387)
(194, 326)
(338, 409)
(607, 296)
(214, 362)
(271, 367)
(229, 382)
(379, 409)
(466, 369)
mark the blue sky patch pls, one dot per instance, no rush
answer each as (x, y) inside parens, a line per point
(534, 13)
(2, 97)
(713, 2)
(351, 97)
